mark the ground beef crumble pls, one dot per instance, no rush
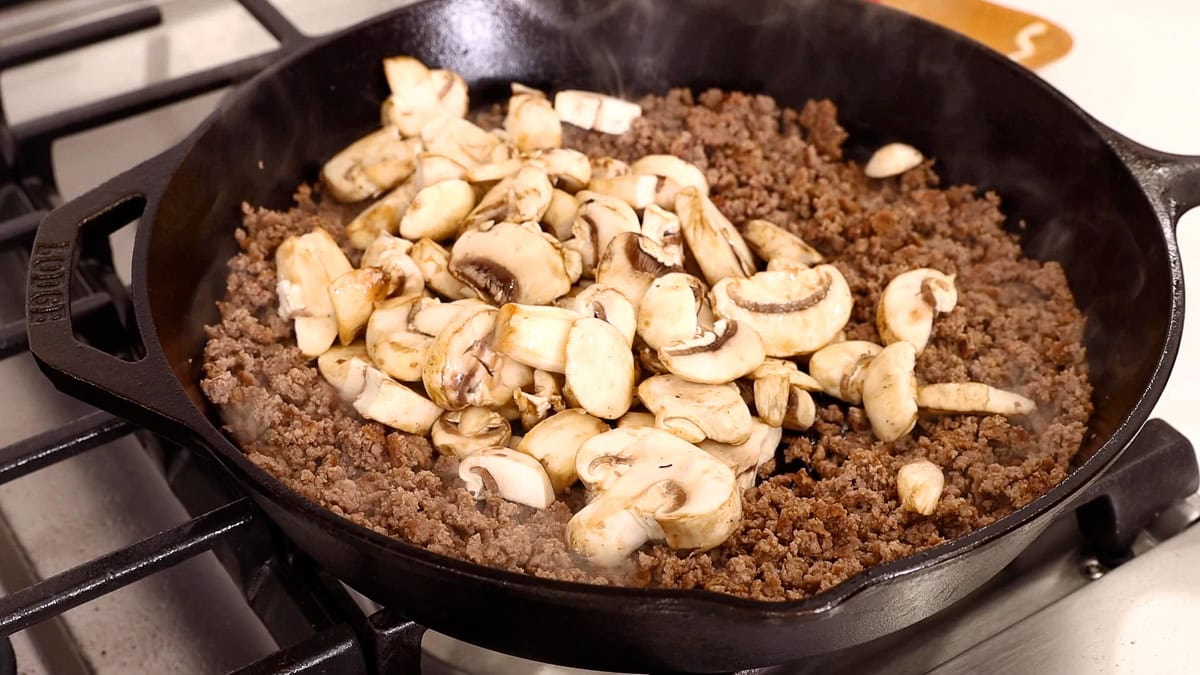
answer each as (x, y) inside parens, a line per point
(827, 507)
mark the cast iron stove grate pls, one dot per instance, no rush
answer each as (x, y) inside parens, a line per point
(305, 609)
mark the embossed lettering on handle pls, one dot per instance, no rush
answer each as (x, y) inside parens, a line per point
(49, 281)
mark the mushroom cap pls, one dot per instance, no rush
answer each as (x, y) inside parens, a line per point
(773, 243)
(631, 262)
(795, 312)
(670, 310)
(606, 303)
(890, 392)
(919, 485)
(388, 402)
(508, 262)
(305, 266)
(345, 368)
(840, 368)
(696, 411)
(532, 123)
(892, 159)
(434, 262)
(437, 210)
(750, 454)
(635, 190)
(635, 420)
(673, 174)
(535, 335)
(569, 170)
(462, 432)
(801, 411)
(590, 110)
(909, 302)
(715, 243)
(462, 141)
(598, 220)
(461, 369)
(391, 345)
(726, 352)
(555, 441)
(651, 485)
(382, 216)
(353, 296)
(560, 214)
(599, 368)
(972, 398)
(375, 162)
(517, 477)
(433, 168)
(663, 228)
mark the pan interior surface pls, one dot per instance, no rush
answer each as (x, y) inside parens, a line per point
(893, 78)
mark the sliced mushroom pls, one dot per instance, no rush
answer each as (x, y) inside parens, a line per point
(841, 367)
(773, 243)
(972, 398)
(569, 170)
(607, 167)
(663, 228)
(909, 302)
(722, 354)
(433, 168)
(438, 210)
(670, 310)
(636, 420)
(508, 262)
(794, 312)
(434, 262)
(420, 95)
(305, 266)
(486, 174)
(598, 112)
(599, 368)
(890, 392)
(598, 220)
(345, 368)
(462, 141)
(773, 383)
(656, 487)
(462, 369)
(631, 263)
(801, 410)
(532, 123)
(696, 411)
(636, 191)
(388, 402)
(391, 345)
(714, 242)
(353, 296)
(560, 214)
(430, 316)
(534, 335)
(893, 159)
(462, 432)
(555, 441)
(381, 217)
(672, 174)
(513, 476)
(390, 254)
(546, 399)
(369, 165)
(919, 485)
(607, 304)
(522, 197)
(745, 458)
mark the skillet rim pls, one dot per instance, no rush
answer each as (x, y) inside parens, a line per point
(1057, 499)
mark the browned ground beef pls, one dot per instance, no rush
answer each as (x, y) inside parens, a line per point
(830, 509)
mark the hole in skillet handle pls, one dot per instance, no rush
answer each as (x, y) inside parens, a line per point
(136, 389)
(1157, 470)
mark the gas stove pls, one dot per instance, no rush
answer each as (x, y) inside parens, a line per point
(122, 551)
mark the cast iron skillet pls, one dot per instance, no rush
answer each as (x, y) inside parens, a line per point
(1103, 206)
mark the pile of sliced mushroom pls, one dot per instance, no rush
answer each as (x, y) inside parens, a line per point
(517, 300)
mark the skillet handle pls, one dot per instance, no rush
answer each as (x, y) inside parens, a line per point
(132, 389)
(1172, 181)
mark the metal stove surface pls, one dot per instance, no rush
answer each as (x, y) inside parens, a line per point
(1132, 619)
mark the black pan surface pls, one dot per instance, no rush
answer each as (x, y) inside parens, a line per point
(1100, 204)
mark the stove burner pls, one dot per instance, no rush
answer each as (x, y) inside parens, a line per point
(301, 605)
